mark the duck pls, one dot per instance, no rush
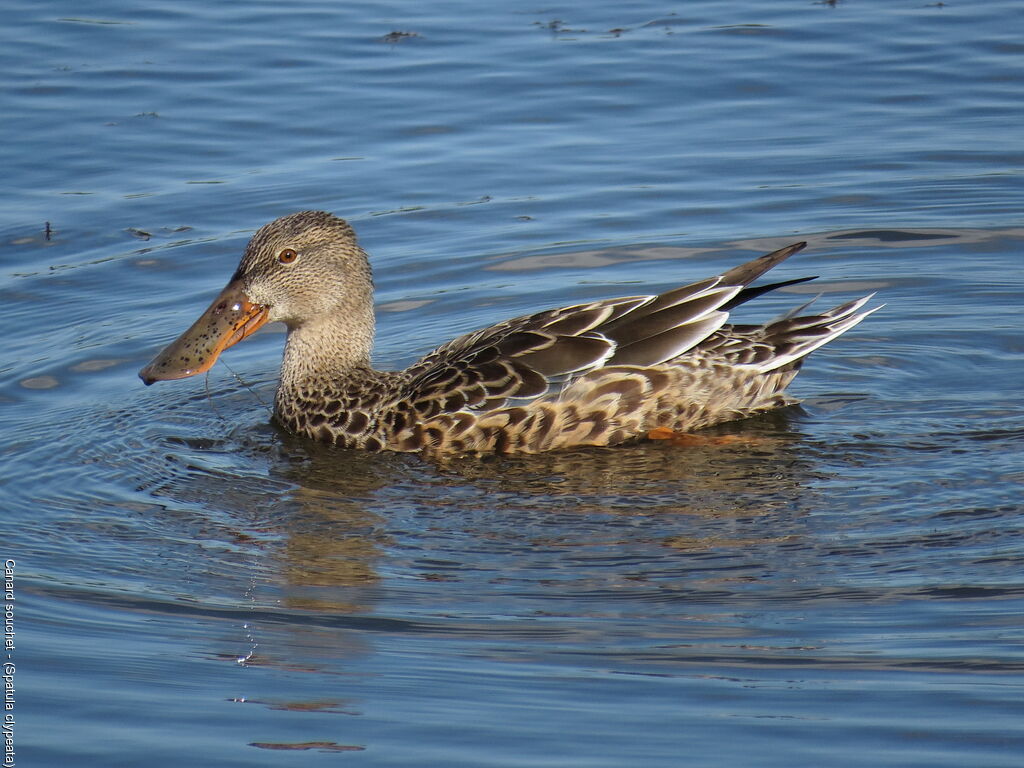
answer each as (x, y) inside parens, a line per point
(602, 373)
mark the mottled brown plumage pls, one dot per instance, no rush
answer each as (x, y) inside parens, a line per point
(593, 374)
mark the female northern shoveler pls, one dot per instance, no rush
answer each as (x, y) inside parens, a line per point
(593, 374)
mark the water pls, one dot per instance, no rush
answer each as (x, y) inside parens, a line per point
(193, 587)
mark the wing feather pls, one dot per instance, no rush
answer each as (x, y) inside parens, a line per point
(530, 356)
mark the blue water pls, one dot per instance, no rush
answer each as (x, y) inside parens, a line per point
(193, 587)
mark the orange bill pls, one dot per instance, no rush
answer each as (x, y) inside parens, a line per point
(230, 318)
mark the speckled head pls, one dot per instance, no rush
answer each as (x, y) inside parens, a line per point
(296, 269)
(304, 266)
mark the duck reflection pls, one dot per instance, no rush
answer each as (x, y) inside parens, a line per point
(348, 507)
(333, 517)
(333, 538)
(588, 525)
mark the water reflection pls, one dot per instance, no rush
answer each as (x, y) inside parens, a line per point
(347, 509)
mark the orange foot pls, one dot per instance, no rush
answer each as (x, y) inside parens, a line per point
(688, 439)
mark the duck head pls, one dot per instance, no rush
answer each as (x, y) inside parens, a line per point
(305, 270)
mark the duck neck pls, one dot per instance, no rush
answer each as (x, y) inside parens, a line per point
(327, 349)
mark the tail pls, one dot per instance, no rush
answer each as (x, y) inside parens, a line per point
(793, 338)
(747, 273)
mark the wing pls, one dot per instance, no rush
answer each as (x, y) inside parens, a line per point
(519, 358)
(527, 357)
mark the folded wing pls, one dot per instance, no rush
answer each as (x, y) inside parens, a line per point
(528, 356)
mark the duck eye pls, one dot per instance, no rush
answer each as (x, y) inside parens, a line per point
(287, 256)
